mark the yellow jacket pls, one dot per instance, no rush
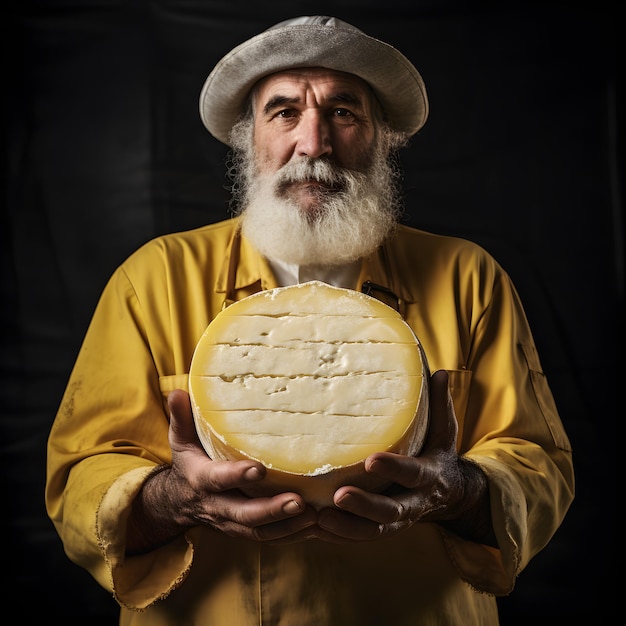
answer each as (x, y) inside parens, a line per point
(111, 430)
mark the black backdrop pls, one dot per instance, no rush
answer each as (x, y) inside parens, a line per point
(105, 150)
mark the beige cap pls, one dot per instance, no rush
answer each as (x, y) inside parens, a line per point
(314, 41)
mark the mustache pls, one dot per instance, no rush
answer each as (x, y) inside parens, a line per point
(319, 170)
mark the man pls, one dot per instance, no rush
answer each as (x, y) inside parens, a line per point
(314, 110)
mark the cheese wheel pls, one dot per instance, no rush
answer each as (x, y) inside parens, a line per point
(309, 380)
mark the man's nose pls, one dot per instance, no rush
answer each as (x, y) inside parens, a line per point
(314, 138)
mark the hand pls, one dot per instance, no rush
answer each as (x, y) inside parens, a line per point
(197, 491)
(436, 486)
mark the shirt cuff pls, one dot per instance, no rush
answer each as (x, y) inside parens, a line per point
(487, 569)
(139, 580)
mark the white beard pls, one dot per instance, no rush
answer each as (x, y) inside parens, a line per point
(344, 227)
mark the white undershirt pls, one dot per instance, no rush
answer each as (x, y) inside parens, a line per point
(344, 276)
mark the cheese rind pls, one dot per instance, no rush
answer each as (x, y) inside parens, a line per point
(309, 380)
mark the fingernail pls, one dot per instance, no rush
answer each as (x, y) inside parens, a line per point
(292, 507)
(253, 474)
(344, 501)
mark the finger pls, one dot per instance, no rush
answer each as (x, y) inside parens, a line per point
(255, 513)
(182, 428)
(375, 507)
(397, 468)
(187, 450)
(307, 533)
(297, 525)
(270, 533)
(443, 427)
(219, 476)
(442, 432)
(347, 526)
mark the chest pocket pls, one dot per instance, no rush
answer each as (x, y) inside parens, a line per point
(544, 397)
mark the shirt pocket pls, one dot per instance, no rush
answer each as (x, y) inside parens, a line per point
(544, 397)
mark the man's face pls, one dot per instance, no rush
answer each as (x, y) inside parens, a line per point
(315, 113)
(312, 178)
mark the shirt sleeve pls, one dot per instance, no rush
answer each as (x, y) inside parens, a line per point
(109, 434)
(510, 426)
(139, 580)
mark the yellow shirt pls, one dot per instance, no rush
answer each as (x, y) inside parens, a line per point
(111, 431)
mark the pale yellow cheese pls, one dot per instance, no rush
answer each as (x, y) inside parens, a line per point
(309, 380)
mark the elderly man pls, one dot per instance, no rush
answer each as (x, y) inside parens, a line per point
(314, 110)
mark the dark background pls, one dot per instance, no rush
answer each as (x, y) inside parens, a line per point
(105, 149)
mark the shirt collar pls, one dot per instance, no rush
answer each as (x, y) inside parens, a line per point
(378, 268)
(345, 275)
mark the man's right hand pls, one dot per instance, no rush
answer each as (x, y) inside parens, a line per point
(197, 491)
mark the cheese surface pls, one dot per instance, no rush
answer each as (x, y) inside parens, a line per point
(309, 379)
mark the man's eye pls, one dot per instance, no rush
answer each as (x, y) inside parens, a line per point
(285, 113)
(342, 112)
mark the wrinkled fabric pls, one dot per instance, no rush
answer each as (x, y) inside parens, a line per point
(111, 432)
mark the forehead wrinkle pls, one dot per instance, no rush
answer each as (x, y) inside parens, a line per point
(344, 97)
(277, 101)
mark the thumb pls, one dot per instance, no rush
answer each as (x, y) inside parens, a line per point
(182, 433)
(443, 426)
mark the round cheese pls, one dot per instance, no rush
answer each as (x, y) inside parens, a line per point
(309, 380)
